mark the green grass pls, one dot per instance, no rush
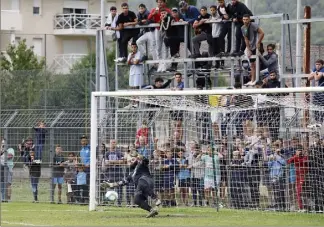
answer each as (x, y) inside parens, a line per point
(29, 214)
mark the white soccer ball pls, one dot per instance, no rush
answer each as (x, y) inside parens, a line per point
(111, 195)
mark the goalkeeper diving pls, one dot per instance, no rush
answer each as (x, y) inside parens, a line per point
(144, 185)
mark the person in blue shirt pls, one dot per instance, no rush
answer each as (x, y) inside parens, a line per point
(85, 161)
(318, 98)
(277, 165)
(178, 79)
(189, 13)
(82, 185)
(184, 177)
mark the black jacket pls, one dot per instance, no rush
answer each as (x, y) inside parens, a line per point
(139, 169)
(239, 10)
(228, 9)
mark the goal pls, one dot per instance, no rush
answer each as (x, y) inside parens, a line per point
(234, 148)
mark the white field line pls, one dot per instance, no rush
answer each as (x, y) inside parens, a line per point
(19, 223)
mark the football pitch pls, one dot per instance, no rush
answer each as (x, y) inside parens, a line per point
(44, 214)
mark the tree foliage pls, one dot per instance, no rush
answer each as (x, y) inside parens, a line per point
(21, 57)
(22, 78)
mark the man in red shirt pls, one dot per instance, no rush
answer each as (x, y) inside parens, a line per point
(300, 159)
(155, 16)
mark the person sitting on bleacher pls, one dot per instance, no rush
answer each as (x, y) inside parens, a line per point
(270, 61)
(203, 31)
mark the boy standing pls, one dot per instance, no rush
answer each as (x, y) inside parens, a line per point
(136, 69)
(58, 173)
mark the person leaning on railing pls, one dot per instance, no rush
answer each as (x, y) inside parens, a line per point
(126, 19)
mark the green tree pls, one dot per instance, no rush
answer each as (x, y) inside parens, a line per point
(75, 88)
(22, 78)
(21, 57)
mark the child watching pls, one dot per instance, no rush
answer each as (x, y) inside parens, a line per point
(70, 177)
(81, 185)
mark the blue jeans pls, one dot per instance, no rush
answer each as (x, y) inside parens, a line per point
(3, 190)
(38, 151)
(34, 184)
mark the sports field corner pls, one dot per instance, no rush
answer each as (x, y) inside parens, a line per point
(44, 214)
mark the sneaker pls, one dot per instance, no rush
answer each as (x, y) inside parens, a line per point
(248, 83)
(314, 126)
(153, 213)
(120, 60)
(177, 55)
(253, 83)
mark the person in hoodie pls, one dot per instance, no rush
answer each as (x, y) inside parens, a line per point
(40, 140)
(146, 35)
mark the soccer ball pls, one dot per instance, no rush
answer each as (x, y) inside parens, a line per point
(111, 196)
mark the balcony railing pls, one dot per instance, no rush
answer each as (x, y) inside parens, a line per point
(76, 24)
(11, 20)
(64, 62)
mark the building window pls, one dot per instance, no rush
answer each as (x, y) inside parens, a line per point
(17, 40)
(37, 7)
(36, 10)
(15, 4)
(38, 44)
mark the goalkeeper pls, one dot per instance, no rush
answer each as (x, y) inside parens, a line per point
(144, 185)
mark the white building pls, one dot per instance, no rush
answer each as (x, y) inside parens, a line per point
(63, 31)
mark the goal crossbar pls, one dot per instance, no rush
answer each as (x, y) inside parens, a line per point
(162, 92)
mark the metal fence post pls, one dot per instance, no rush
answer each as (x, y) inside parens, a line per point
(52, 150)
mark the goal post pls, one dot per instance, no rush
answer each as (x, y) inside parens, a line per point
(164, 111)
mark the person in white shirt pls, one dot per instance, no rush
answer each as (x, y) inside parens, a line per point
(111, 23)
(136, 68)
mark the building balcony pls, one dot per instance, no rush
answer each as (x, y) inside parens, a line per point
(63, 63)
(11, 20)
(76, 24)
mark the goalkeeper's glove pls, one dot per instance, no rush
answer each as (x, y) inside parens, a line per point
(106, 184)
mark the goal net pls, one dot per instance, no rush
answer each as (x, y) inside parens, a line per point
(236, 149)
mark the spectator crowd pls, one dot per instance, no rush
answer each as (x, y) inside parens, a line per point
(194, 172)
